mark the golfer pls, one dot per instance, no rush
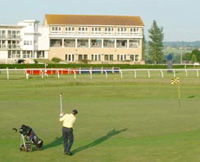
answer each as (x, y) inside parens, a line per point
(67, 130)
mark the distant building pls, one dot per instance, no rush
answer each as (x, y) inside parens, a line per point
(26, 40)
(75, 39)
(95, 39)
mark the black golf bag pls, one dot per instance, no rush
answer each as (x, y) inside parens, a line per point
(29, 138)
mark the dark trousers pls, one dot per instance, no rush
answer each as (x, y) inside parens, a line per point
(68, 138)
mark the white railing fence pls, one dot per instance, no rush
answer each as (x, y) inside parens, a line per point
(91, 73)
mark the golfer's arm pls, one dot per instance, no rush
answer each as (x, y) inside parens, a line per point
(62, 118)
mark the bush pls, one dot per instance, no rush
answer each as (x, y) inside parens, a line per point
(56, 59)
(121, 66)
(35, 61)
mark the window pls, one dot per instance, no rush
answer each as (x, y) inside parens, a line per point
(3, 44)
(122, 29)
(92, 57)
(121, 43)
(82, 29)
(83, 43)
(40, 54)
(68, 29)
(121, 57)
(28, 42)
(13, 54)
(96, 29)
(95, 57)
(134, 30)
(13, 34)
(69, 57)
(96, 43)
(118, 56)
(26, 54)
(136, 57)
(132, 57)
(134, 43)
(2, 33)
(55, 42)
(108, 57)
(109, 29)
(82, 57)
(56, 28)
(109, 43)
(9, 54)
(69, 42)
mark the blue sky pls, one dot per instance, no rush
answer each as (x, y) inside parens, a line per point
(179, 18)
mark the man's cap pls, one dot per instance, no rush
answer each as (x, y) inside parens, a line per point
(75, 111)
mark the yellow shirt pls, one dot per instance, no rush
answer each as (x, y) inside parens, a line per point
(68, 120)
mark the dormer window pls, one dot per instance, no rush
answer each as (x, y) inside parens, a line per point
(69, 28)
(56, 28)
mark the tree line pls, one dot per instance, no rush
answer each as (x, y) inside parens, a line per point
(155, 48)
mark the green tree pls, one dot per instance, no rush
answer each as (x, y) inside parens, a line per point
(143, 47)
(156, 43)
(187, 57)
(194, 59)
(194, 56)
(196, 52)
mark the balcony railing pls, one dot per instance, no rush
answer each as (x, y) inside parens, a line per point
(2, 36)
(2, 47)
(98, 33)
(13, 36)
(13, 47)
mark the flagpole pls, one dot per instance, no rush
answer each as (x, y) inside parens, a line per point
(176, 82)
(179, 95)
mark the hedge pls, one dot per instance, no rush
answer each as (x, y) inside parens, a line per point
(121, 66)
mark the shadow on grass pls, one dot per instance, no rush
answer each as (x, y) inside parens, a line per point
(56, 142)
(99, 140)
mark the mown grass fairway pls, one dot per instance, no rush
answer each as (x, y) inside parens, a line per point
(119, 120)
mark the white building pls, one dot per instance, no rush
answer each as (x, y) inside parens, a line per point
(95, 39)
(26, 40)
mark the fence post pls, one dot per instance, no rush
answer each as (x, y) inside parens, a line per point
(106, 74)
(174, 73)
(186, 74)
(148, 72)
(42, 73)
(197, 73)
(161, 72)
(90, 73)
(79, 70)
(26, 74)
(121, 74)
(135, 74)
(8, 77)
(102, 70)
(58, 74)
(74, 74)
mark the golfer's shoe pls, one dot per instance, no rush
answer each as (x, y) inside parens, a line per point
(68, 153)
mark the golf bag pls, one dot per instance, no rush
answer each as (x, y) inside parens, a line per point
(29, 138)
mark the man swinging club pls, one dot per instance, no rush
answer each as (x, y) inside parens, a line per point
(67, 129)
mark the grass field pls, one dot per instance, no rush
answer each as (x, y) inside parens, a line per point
(119, 120)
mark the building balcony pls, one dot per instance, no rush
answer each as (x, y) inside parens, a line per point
(2, 37)
(96, 33)
(14, 47)
(3, 47)
(13, 37)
